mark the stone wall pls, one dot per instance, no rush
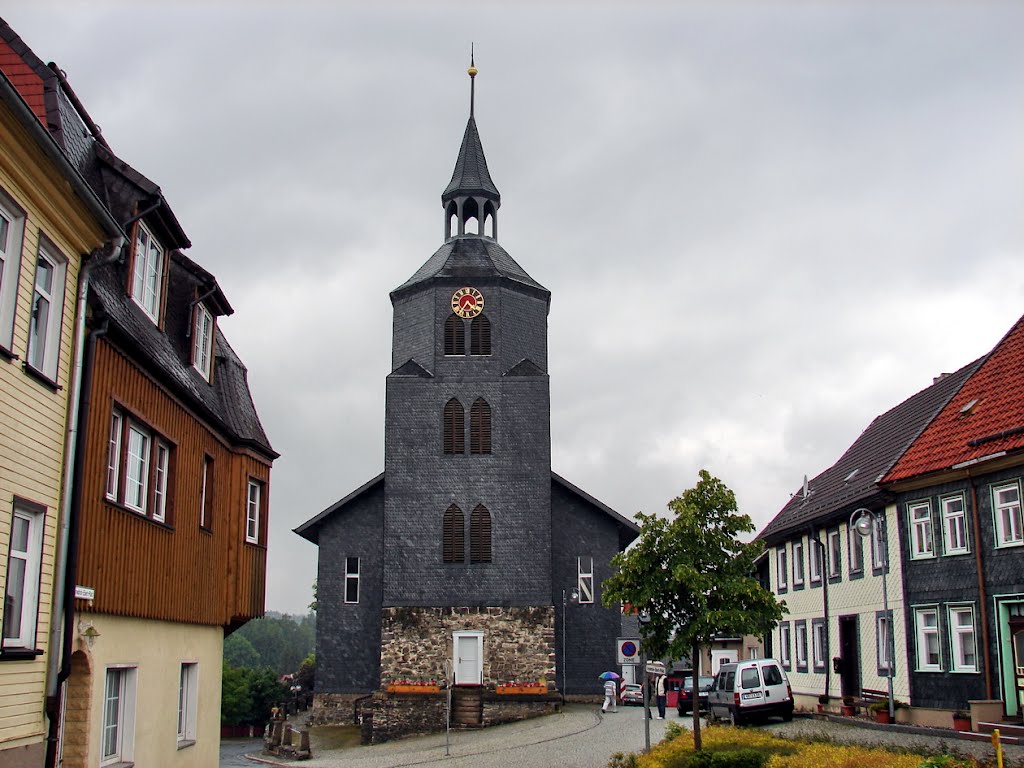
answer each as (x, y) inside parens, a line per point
(518, 643)
(335, 708)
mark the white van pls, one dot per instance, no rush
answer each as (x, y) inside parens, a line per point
(746, 689)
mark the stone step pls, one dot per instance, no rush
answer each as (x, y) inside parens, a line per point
(1015, 730)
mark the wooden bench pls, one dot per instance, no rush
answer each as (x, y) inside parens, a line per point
(869, 696)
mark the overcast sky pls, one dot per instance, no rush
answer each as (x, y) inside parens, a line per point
(762, 224)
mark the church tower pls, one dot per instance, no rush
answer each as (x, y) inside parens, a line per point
(457, 563)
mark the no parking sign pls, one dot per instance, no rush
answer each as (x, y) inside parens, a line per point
(628, 650)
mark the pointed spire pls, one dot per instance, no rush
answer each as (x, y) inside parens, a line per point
(472, 80)
(471, 177)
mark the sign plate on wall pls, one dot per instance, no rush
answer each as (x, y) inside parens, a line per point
(627, 650)
(85, 593)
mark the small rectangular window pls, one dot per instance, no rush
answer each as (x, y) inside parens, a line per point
(114, 456)
(782, 568)
(1009, 530)
(21, 587)
(749, 678)
(801, 644)
(879, 555)
(139, 467)
(188, 700)
(814, 559)
(585, 579)
(147, 272)
(12, 226)
(784, 643)
(798, 563)
(856, 551)
(963, 649)
(835, 549)
(206, 495)
(202, 337)
(47, 311)
(921, 544)
(117, 732)
(252, 511)
(351, 579)
(819, 644)
(926, 621)
(883, 628)
(954, 526)
(160, 464)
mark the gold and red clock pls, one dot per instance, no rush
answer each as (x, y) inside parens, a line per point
(467, 302)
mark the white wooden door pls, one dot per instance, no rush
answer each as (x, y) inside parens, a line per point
(469, 659)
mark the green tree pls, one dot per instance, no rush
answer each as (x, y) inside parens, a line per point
(239, 652)
(693, 577)
(235, 696)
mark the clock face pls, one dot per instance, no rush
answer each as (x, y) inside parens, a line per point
(467, 302)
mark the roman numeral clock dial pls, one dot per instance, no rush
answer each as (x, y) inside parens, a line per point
(467, 302)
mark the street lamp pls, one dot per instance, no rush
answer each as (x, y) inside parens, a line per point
(863, 521)
(575, 595)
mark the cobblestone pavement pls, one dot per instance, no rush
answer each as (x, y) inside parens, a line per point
(579, 737)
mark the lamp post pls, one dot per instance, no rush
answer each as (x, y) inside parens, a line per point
(644, 617)
(863, 521)
(574, 594)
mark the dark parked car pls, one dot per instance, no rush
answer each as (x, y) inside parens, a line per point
(686, 694)
(632, 694)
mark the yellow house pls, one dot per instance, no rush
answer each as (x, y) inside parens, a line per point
(49, 222)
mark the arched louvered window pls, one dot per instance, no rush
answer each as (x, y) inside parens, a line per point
(480, 336)
(454, 336)
(454, 427)
(480, 535)
(453, 536)
(480, 427)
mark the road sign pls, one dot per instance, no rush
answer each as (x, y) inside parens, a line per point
(628, 650)
(655, 668)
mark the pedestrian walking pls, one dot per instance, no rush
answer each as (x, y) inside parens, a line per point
(610, 689)
(662, 696)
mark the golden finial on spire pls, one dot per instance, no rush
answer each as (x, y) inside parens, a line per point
(472, 66)
(472, 80)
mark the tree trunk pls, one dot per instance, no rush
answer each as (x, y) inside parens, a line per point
(695, 694)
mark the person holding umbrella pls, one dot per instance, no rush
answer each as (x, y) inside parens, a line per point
(610, 691)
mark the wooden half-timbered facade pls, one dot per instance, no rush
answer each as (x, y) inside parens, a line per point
(159, 548)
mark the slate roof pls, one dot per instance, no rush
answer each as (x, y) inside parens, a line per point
(471, 176)
(854, 478)
(310, 530)
(471, 256)
(985, 418)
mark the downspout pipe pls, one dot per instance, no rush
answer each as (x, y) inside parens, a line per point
(62, 617)
(982, 597)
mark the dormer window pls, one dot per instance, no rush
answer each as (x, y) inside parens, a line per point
(202, 341)
(147, 272)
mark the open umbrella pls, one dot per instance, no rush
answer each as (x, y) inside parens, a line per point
(609, 676)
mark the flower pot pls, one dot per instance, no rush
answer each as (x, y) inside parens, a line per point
(414, 689)
(961, 724)
(882, 716)
(848, 710)
(821, 709)
(511, 689)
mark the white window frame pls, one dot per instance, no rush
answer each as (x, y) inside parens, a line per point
(957, 634)
(188, 703)
(254, 497)
(351, 577)
(136, 470)
(818, 644)
(202, 336)
(47, 314)
(784, 644)
(28, 554)
(585, 580)
(798, 563)
(114, 456)
(835, 554)
(161, 466)
(801, 644)
(856, 564)
(12, 229)
(117, 733)
(814, 548)
(922, 534)
(148, 272)
(1007, 513)
(204, 489)
(782, 568)
(139, 463)
(923, 632)
(955, 540)
(879, 551)
(753, 652)
(883, 626)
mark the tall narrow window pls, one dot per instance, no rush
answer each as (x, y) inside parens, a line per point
(480, 427)
(585, 579)
(114, 456)
(801, 644)
(781, 571)
(856, 551)
(784, 643)
(351, 579)
(961, 629)
(835, 555)
(188, 700)
(148, 273)
(927, 621)
(453, 536)
(819, 645)
(117, 732)
(160, 464)
(253, 508)
(884, 627)
(47, 305)
(139, 468)
(454, 336)
(814, 559)
(921, 530)
(21, 589)
(206, 495)
(1009, 531)
(12, 225)
(480, 336)
(954, 526)
(454, 440)
(202, 341)
(879, 552)
(798, 564)
(480, 535)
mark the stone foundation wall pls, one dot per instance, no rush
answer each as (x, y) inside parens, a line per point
(507, 709)
(396, 715)
(335, 708)
(518, 643)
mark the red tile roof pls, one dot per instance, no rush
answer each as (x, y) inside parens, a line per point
(24, 78)
(985, 417)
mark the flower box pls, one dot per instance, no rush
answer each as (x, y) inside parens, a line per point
(511, 689)
(414, 689)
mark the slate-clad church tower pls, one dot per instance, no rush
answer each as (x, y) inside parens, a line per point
(457, 559)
